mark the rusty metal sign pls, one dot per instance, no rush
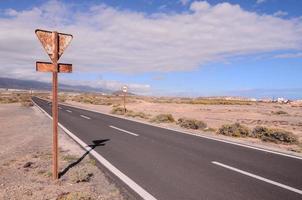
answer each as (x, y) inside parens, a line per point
(47, 40)
(54, 43)
(49, 67)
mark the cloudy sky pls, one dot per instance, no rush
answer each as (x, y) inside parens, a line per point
(181, 47)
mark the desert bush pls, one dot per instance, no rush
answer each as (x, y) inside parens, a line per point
(191, 123)
(142, 115)
(27, 103)
(163, 118)
(75, 196)
(274, 135)
(279, 112)
(235, 130)
(118, 111)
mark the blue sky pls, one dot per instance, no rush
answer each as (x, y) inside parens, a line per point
(181, 48)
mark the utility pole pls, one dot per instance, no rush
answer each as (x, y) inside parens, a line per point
(124, 90)
(54, 43)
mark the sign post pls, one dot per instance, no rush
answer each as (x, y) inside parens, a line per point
(54, 43)
(125, 89)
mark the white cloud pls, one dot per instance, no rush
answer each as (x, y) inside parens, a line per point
(111, 85)
(280, 13)
(290, 55)
(198, 6)
(260, 1)
(109, 39)
(184, 2)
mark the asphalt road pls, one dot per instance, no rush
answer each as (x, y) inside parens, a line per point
(172, 165)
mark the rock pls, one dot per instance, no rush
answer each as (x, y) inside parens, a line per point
(28, 164)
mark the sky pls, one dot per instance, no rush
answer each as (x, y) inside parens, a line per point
(249, 48)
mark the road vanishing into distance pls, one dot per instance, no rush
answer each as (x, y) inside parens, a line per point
(170, 165)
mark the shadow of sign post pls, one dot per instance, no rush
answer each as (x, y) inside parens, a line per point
(54, 44)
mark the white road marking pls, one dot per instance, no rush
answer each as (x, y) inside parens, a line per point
(258, 177)
(197, 135)
(69, 111)
(85, 117)
(194, 134)
(134, 134)
(128, 181)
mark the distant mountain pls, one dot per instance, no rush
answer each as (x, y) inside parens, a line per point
(38, 85)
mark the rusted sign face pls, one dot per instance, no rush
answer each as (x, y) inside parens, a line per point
(47, 40)
(49, 67)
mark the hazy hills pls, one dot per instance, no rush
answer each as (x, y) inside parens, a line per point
(38, 85)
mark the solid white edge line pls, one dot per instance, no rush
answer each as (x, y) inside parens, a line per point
(85, 117)
(128, 181)
(197, 135)
(258, 177)
(134, 134)
(69, 111)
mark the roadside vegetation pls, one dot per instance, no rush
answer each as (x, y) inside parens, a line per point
(263, 133)
(129, 113)
(163, 118)
(279, 112)
(202, 101)
(233, 130)
(23, 98)
(191, 123)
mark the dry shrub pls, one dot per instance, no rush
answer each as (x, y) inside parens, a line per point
(191, 123)
(142, 115)
(27, 103)
(274, 135)
(279, 112)
(163, 118)
(118, 111)
(74, 196)
(235, 130)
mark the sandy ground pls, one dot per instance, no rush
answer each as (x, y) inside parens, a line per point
(216, 115)
(26, 140)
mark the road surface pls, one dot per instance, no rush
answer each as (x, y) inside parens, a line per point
(172, 165)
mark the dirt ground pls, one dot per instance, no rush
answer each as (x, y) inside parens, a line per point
(262, 114)
(25, 161)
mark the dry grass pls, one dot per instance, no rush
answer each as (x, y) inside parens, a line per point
(279, 112)
(201, 101)
(163, 118)
(23, 98)
(191, 123)
(274, 135)
(234, 130)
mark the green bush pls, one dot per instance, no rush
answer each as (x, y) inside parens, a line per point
(235, 130)
(191, 123)
(274, 135)
(163, 118)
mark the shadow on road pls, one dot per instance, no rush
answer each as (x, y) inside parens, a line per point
(96, 143)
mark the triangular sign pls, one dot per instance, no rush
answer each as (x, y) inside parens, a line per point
(47, 40)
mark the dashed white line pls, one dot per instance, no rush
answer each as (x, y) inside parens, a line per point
(69, 111)
(85, 117)
(134, 134)
(133, 185)
(258, 177)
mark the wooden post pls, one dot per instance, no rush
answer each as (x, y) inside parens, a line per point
(125, 102)
(54, 43)
(55, 107)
